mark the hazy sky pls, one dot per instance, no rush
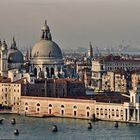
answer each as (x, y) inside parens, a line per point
(73, 23)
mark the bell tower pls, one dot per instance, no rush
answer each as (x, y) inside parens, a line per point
(4, 60)
(90, 51)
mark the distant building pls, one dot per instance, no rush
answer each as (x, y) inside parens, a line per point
(111, 63)
(10, 93)
(135, 79)
(84, 71)
(97, 72)
(105, 107)
(117, 81)
(67, 87)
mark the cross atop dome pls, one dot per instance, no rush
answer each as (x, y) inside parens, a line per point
(46, 34)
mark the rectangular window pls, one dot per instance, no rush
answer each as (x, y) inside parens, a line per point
(75, 113)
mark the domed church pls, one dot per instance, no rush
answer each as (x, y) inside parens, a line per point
(46, 56)
(15, 57)
(9, 58)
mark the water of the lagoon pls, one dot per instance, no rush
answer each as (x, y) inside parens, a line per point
(68, 129)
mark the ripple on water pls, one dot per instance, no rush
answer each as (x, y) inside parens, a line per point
(68, 129)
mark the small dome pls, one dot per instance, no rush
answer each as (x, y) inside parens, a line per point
(15, 56)
(46, 48)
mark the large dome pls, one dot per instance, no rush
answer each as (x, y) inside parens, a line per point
(46, 48)
(15, 56)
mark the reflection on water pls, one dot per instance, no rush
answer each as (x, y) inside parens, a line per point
(68, 129)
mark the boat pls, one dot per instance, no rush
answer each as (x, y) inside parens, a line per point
(13, 121)
(54, 128)
(16, 132)
(1, 120)
(89, 125)
(116, 125)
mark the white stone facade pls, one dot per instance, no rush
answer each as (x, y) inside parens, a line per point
(82, 108)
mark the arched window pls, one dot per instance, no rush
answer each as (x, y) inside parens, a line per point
(88, 108)
(62, 106)
(35, 71)
(62, 112)
(52, 71)
(47, 70)
(87, 114)
(41, 74)
(50, 105)
(38, 104)
(26, 103)
(75, 113)
(75, 107)
(50, 111)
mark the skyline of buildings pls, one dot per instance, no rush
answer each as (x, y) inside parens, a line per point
(47, 84)
(83, 63)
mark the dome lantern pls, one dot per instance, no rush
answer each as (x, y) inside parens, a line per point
(46, 48)
(13, 45)
(46, 34)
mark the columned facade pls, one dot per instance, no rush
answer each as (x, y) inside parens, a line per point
(46, 57)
